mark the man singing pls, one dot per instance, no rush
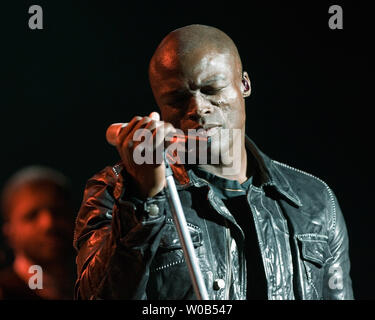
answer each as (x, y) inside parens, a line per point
(264, 231)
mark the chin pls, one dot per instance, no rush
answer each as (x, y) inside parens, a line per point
(45, 254)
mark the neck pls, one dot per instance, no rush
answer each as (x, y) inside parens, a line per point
(50, 280)
(21, 267)
(237, 170)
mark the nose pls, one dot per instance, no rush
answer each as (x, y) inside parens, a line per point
(199, 107)
(45, 219)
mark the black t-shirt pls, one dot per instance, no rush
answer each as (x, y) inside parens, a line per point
(233, 194)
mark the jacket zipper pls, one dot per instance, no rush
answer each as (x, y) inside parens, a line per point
(228, 251)
(253, 213)
(228, 275)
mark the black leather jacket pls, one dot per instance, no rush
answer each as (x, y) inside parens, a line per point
(128, 249)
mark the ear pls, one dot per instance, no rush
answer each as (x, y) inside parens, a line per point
(245, 85)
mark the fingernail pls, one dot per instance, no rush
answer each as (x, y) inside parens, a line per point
(154, 115)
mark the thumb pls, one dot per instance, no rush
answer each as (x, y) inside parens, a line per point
(154, 116)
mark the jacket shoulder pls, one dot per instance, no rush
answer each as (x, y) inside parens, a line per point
(98, 200)
(297, 176)
(314, 193)
(109, 175)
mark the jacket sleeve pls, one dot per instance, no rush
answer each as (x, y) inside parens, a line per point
(337, 281)
(116, 239)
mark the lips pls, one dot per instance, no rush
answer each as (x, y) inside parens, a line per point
(205, 130)
(211, 129)
(210, 125)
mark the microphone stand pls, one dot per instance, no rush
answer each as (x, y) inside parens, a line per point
(184, 234)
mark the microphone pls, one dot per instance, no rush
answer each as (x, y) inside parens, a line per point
(114, 130)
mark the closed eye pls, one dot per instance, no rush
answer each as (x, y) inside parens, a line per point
(177, 99)
(31, 215)
(209, 90)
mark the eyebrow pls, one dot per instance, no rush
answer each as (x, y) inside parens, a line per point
(204, 83)
(214, 79)
(172, 93)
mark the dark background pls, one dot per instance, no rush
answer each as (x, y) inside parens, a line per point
(61, 87)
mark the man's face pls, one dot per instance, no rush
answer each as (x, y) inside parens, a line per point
(39, 224)
(201, 90)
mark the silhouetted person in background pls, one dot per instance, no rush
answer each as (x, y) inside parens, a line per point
(38, 226)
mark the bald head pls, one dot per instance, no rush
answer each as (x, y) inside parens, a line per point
(185, 41)
(197, 79)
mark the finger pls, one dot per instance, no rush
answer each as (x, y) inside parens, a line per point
(127, 129)
(154, 124)
(160, 133)
(129, 140)
(113, 132)
(155, 116)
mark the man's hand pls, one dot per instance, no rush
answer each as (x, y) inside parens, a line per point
(148, 178)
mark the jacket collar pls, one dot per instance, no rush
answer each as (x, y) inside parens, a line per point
(267, 174)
